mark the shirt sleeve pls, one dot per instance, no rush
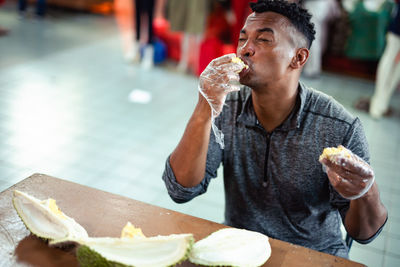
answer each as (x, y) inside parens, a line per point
(181, 194)
(356, 141)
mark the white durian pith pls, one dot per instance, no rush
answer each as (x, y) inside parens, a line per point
(43, 220)
(232, 247)
(146, 252)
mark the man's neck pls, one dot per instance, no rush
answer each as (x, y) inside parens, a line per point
(274, 104)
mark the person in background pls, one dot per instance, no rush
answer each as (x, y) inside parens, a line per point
(323, 12)
(40, 7)
(275, 129)
(144, 9)
(2, 30)
(189, 18)
(388, 72)
(123, 10)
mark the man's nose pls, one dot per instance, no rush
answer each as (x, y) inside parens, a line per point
(247, 49)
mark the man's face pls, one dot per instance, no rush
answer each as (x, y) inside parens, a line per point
(266, 45)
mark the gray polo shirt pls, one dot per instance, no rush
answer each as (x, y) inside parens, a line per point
(273, 181)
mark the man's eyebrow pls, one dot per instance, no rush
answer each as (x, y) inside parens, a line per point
(266, 30)
(260, 30)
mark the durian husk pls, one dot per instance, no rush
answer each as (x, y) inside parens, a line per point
(44, 219)
(231, 247)
(145, 252)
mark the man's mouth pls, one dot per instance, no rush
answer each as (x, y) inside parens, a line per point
(245, 70)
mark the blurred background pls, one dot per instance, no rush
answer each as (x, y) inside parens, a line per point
(98, 92)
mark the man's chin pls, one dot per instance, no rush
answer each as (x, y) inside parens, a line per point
(245, 81)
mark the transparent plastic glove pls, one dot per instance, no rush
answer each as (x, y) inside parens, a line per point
(350, 175)
(219, 79)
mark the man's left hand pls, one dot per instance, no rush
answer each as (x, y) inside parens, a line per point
(350, 175)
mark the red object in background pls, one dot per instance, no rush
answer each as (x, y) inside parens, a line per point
(105, 8)
(217, 29)
(242, 9)
(228, 49)
(172, 40)
(217, 25)
(213, 46)
(160, 26)
(209, 49)
(358, 68)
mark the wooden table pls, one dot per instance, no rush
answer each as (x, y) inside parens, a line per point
(105, 214)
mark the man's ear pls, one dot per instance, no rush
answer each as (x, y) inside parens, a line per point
(300, 58)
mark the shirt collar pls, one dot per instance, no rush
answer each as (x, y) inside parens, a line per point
(293, 121)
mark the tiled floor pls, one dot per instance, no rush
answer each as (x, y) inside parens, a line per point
(64, 111)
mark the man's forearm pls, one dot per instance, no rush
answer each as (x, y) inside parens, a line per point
(188, 160)
(365, 215)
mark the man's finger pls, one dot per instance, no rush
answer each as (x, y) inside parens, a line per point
(342, 185)
(233, 78)
(223, 60)
(356, 165)
(334, 178)
(345, 165)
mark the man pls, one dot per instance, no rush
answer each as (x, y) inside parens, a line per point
(275, 129)
(323, 13)
(388, 72)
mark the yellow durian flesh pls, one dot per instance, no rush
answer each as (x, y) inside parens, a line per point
(231, 247)
(131, 231)
(237, 60)
(55, 209)
(334, 153)
(44, 219)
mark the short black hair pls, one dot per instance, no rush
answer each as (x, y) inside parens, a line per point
(298, 16)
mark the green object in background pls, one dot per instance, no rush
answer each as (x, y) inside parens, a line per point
(368, 31)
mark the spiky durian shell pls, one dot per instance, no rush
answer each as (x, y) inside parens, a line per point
(89, 257)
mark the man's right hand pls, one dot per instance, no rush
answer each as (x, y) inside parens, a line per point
(218, 79)
(188, 160)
